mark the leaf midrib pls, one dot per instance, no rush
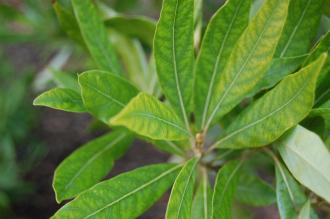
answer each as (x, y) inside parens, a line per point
(185, 188)
(310, 164)
(135, 190)
(265, 117)
(115, 141)
(239, 72)
(178, 88)
(215, 69)
(152, 116)
(295, 30)
(105, 95)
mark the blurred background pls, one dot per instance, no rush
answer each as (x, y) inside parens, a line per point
(34, 53)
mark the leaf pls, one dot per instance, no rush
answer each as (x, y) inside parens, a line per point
(254, 191)
(67, 20)
(89, 164)
(174, 53)
(305, 211)
(224, 190)
(221, 34)
(140, 27)
(300, 28)
(322, 46)
(104, 94)
(125, 196)
(279, 68)
(61, 99)
(203, 199)
(308, 160)
(133, 59)
(290, 196)
(179, 205)
(249, 59)
(280, 109)
(95, 35)
(147, 116)
(323, 110)
(65, 80)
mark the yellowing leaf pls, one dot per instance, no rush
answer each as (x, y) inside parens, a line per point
(222, 33)
(174, 53)
(249, 59)
(179, 205)
(277, 111)
(147, 116)
(61, 99)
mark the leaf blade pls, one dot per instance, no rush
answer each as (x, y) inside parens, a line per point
(225, 26)
(293, 98)
(104, 94)
(87, 165)
(179, 205)
(224, 190)
(174, 53)
(149, 117)
(123, 192)
(244, 68)
(314, 161)
(95, 36)
(61, 99)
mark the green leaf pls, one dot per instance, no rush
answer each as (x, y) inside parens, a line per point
(174, 53)
(67, 20)
(309, 165)
(300, 28)
(133, 59)
(322, 46)
(290, 196)
(122, 197)
(61, 99)
(140, 27)
(221, 34)
(89, 164)
(305, 211)
(224, 190)
(279, 68)
(254, 191)
(147, 116)
(280, 109)
(105, 94)
(249, 59)
(323, 111)
(203, 199)
(95, 35)
(65, 80)
(179, 205)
